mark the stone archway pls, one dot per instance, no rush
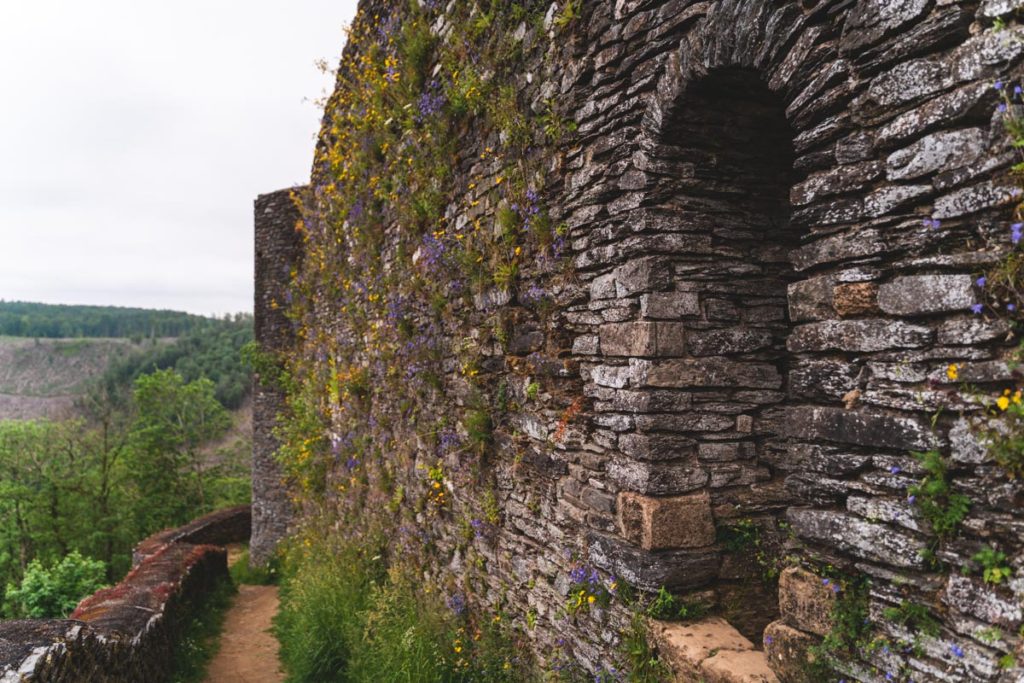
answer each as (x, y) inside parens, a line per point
(732, 195)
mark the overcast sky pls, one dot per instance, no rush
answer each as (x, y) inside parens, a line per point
(135, 134)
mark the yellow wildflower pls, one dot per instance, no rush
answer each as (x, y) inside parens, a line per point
(953, 372)
(1003, 402)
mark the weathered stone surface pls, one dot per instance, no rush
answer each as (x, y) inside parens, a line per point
(656, 446)
(855, 298)
(667, 523)
(747, 666)
(278, 251)
(660, 339)
(729, 340)
(924, 294)
(936, 153)
(972, 331)
(713, 372)
(685, 646)
(971, 596)
(993, 9)
(858, 335)
(871, 20)
(811, 299)
(874, 542)
(787, 650)
(641, 275)
(973, 199)
(964, 444)
(658, 478)
(669, 305)
(676, 570)
(806, 601)
(859, 427)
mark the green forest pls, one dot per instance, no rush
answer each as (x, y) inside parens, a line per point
(54, 321)
(154, 443)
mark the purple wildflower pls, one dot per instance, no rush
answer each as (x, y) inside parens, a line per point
(977, 308)
(998, 85)
(932, 223)
(1001, 108)
(457, 604)
(911, 499)
(1015, 232)
(895, 469)
(957, 651)
(1011, 307)
(981, 281)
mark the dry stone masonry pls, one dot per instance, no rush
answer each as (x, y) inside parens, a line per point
(775, 212)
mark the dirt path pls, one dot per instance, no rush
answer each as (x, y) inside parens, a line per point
(248, 652)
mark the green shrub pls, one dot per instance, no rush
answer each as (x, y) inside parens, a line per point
(56, 590)
(993, 565)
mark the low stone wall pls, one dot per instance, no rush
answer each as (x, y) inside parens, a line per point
(127, 633)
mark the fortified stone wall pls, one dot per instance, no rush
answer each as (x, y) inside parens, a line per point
(774, 214)
(278, 253)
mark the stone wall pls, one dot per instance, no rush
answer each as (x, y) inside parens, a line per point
(127, 633)
(278, 253)
(775, 213)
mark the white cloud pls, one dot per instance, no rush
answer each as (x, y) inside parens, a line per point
(134, 136)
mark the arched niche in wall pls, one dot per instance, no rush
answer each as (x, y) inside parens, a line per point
(734, 157)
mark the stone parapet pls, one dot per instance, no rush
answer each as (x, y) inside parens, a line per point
(127, 633)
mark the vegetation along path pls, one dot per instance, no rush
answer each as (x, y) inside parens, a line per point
(248, 651)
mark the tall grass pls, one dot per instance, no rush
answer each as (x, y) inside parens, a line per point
(348, 616)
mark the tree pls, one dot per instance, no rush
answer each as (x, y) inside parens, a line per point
(174, 420)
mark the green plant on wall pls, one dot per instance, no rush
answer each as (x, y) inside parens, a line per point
(994, 568)
(934, 496)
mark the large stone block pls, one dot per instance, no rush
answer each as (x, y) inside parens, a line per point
(872, 20)
(937, 152)
(656, 446)
(875, 542)
(806, 601)
(972, 597)
(713, 372)
(811, 299)
(729, 340)
(669, 305)
(653, 339)
(642, 275)
(856, 427)
(924, 294)
(658, 478)
(675, 570)
(728, 666)
(855, 298)
(788, 651)
(685, 646)
(667, 523)
(858, 335)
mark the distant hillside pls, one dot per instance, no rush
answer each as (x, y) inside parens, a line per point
(42, 378)
(45, 365)
(21, 319)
